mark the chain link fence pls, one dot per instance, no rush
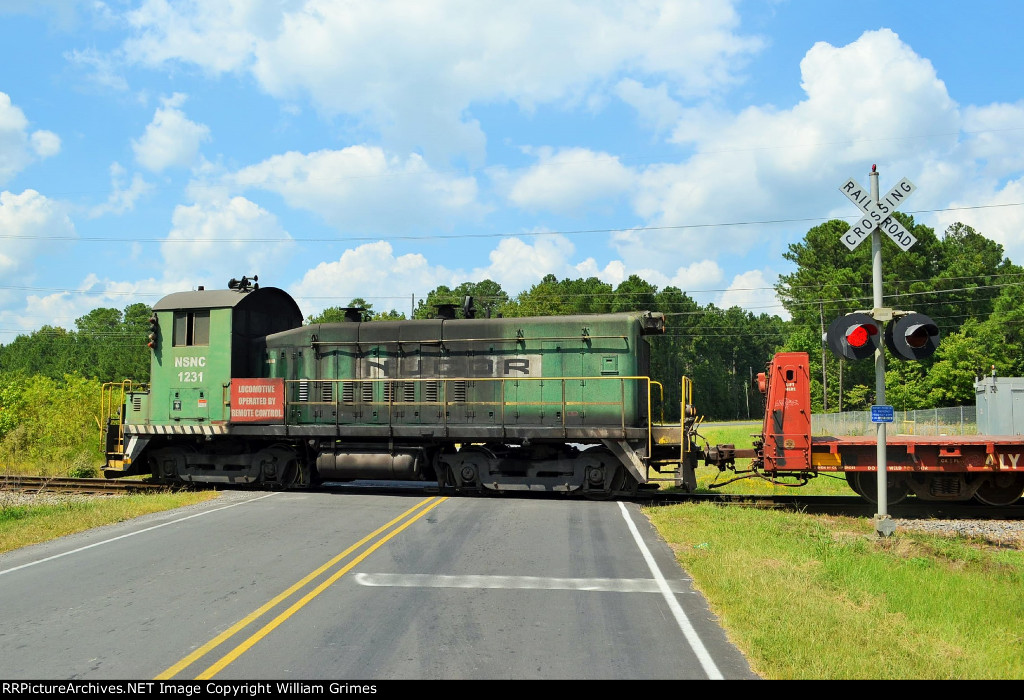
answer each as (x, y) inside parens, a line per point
(957, 420)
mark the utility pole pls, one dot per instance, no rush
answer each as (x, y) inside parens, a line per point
(824, 374)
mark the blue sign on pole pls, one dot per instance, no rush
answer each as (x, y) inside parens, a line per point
(882, 414)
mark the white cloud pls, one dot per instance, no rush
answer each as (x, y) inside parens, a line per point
(121, 198)
(60, 309)
(363, 188)
(101, 70)
(443, 57)
(18, 149)
(45, 143)
(613, 273)
(569, 180)
(703, 274)
(1000, 216)
(373, 272)
(217, 36)
(219, 238)
(753, 291)
(995, 138)
(746, 163)
(516, 264)
(171, 139)
(29, 219)
(655, 108)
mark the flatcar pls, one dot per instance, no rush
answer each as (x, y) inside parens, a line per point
(241, 391)
(986, 468)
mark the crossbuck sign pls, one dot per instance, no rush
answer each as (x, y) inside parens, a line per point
(877, 214)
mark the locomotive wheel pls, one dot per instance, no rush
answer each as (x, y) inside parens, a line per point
(287, 469)
(623, 483)
(866, 486)
(1000, 489)
(291, 476)
(466, 468)
(620, 483)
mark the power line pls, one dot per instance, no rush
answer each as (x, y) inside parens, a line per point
(465, 236)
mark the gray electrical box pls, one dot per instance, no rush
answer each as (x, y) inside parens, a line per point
(1000, 405)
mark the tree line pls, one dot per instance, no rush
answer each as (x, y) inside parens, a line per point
(961, 279)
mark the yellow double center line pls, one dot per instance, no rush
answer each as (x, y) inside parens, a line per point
(410, 516)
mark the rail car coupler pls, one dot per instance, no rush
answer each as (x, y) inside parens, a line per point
(722, 456)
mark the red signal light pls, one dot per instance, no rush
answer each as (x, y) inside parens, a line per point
(859, 336)
(853, 336)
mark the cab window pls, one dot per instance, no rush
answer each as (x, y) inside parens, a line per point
(191, 328)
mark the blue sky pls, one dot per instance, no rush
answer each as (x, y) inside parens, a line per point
(378, 149)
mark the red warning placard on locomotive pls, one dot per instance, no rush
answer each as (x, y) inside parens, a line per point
(257, 400)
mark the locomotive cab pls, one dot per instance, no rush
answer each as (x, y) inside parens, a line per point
(200, 340)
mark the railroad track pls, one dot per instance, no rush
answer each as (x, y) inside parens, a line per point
(55, 484)
(852, 506)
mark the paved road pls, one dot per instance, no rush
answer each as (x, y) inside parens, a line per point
(317, 586)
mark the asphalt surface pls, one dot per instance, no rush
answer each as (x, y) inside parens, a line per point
(316, 586)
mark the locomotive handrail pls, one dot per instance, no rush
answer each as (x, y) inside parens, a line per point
(446, 403)
(443, 341)
(661, 391)
(686, 399)
(108, 391)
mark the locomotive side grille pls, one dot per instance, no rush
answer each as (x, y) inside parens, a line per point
(137, 403)
(430, 392)
(303, 390)
(367, 392)
(458, 392)
(389, 391)
(408, 392)
(348, 392)
(327, 393)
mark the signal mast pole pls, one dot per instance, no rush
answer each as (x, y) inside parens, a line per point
(884, 525)
(912, 336)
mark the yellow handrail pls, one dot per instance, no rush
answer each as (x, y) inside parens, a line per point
(686, 394)
(445, 402)
(111, 412)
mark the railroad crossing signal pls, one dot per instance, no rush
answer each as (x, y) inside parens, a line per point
(877, 215)
(853, 337)
(909, 336)
(912, 337)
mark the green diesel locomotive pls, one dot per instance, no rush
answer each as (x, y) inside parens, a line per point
(241, 392)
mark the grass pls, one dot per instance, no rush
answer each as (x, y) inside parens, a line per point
(742, 437)
(822, 597)
(804, 597)
(22, 525)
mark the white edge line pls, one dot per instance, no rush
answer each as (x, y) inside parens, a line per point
(706, 662)
(130, 534)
